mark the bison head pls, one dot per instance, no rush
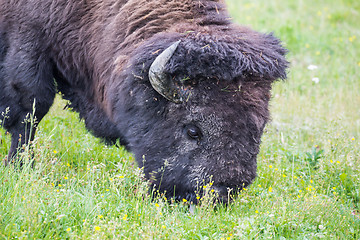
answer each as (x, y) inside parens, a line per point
(193, 107)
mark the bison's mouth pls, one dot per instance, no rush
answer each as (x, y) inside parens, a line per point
(214, 194)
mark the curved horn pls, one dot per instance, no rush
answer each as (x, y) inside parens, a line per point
(159, 80)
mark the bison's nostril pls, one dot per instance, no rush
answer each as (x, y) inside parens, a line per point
(222, 190)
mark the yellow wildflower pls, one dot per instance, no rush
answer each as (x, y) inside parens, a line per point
(97, 228)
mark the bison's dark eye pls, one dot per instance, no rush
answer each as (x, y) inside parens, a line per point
(193, 132)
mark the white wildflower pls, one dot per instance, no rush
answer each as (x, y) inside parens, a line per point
(312, 67)
(316, 80)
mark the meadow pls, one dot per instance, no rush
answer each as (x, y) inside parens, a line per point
(308, 184)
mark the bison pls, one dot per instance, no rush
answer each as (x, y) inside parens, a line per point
(174, 81)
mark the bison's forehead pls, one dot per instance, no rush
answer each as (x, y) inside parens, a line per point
(209, 104)
(219, 105)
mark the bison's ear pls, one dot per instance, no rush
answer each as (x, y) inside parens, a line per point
(263, 55)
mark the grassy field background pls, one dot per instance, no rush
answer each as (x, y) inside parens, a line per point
(308, 184)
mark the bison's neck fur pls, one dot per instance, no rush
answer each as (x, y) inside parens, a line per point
(133, 22)
(98, 37)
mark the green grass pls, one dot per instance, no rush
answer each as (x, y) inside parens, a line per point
(308, 184)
